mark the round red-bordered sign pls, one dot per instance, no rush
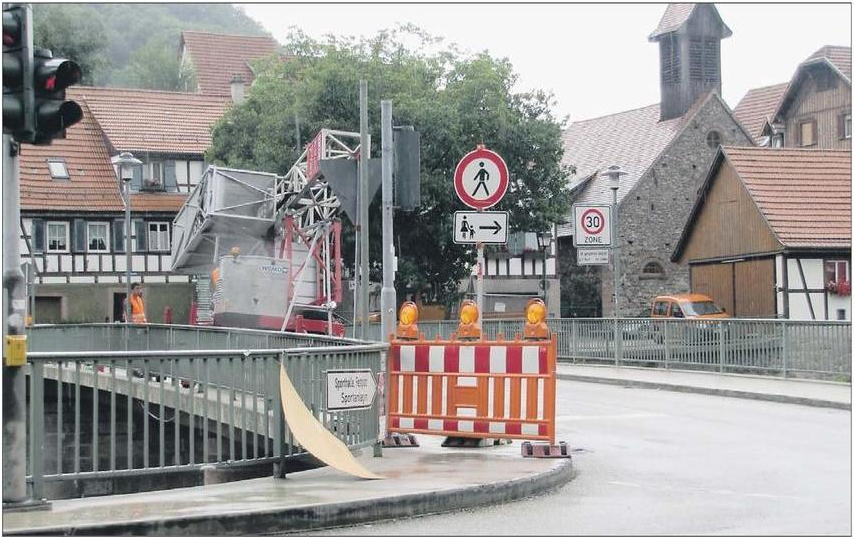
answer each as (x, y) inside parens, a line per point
(592, 225)
(475, 178)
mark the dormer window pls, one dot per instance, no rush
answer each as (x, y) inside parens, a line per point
(58, 169)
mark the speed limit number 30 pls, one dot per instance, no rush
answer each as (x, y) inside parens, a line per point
(592, 225)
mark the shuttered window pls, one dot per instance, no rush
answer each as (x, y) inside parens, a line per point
(807, 133)
(710, 60)
(171, 178)
(78, 240)
(670, 60)
(695, 59)
(118, 235)
(38, 235)
(140, 236)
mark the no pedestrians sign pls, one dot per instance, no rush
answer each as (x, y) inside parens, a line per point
(481, 178)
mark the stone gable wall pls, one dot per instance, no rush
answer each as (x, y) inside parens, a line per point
(653, 214)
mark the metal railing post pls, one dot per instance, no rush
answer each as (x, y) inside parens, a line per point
(721, 349)
(666, 345)
(785, 350)
(37, 451)
(574, 333)
(617, 340)
(278, 421)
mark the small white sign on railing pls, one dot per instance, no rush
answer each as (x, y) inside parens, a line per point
(350, 389)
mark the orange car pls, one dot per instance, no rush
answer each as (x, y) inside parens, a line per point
(687, 306)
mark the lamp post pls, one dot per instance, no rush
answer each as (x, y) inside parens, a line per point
(544, 241)
(613, 174)
(124, 172)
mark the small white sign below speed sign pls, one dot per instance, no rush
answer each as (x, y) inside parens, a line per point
(592, 225)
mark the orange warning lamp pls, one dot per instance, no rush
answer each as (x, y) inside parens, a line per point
(407, 321)
(468, 320)
(535, 319)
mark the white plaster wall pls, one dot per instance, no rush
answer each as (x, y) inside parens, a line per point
(836, 302)
(196, 171)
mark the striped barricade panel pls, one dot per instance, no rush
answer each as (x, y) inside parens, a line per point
(481, 389)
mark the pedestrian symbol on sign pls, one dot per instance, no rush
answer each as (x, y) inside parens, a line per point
(482, 177)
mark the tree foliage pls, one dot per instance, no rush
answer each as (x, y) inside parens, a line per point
(73, 31)
(156, 65)
(455, 101)
(120, 44)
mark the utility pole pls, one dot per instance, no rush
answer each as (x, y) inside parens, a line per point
(363, 279)
(14, 337)
(388, 298)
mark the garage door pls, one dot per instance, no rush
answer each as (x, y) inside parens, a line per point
(715, 281)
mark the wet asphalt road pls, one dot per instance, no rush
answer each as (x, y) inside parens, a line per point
(659, 462)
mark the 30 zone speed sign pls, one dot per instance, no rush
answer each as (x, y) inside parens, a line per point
(592, 225)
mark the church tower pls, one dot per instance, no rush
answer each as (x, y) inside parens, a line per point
(689, 45)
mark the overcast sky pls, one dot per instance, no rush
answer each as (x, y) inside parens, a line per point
(595, 58)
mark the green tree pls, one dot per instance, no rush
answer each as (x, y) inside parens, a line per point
(73, 31)
(105, 38)
(156, 65)
(454, 101)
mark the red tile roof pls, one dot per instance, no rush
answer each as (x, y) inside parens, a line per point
(92, 187)
(216, 58)
(804, 194)
(840, 57)
(157, 202)
(758, 106)
(154, 121)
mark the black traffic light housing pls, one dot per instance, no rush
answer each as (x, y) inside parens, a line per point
(34, 107)
(18, 95)
(53, 114)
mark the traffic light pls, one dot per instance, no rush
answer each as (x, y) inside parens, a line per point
(53, 114)
(18, 97)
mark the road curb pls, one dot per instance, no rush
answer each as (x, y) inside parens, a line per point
(774, 397)
(324, 516)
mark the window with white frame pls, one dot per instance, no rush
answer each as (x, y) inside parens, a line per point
(846, 126)
(57, 236)
(97, 234)
(158, 236)
(835, 271)
(58, 169)
(155, 181)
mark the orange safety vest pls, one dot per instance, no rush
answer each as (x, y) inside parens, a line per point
(137, 310)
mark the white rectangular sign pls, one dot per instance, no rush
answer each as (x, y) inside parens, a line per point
(592, 225)
(592, 256)
(350, 389)
(488, 227)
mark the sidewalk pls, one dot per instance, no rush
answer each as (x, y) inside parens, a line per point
(797, 391)
(422, 480)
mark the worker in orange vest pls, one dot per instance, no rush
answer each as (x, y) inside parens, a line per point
(137, 307)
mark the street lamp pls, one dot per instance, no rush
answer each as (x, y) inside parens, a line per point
(544, 241)
(124, 171)
(614, 173)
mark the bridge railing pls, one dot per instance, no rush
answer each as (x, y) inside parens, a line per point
(806, 349)
(178, 400)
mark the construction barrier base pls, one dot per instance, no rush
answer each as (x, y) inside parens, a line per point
(543, 451)
(399, 440)
(463, 441)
